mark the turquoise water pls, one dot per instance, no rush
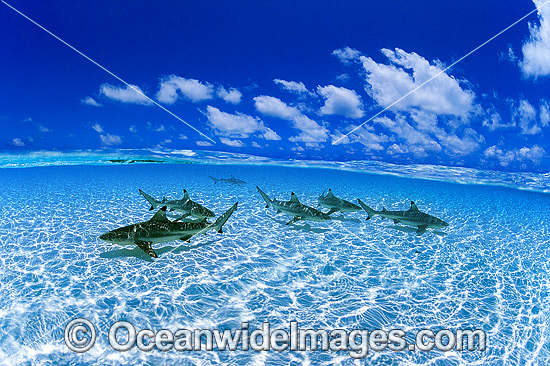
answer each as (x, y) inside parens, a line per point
(488, 270)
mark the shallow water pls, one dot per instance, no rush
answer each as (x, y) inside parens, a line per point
(489, 269)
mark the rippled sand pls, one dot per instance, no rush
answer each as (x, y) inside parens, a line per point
(489, 269)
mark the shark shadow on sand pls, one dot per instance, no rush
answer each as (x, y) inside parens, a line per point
(408, 229)
(140, 254)
(305, 227)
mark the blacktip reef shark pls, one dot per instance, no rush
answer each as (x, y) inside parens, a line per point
(231, 180)
(336, 204)
(295, 208)
(412, 217)
(159, 229)
(185, 205)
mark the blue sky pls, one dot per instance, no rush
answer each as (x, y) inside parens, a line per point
(282, 79)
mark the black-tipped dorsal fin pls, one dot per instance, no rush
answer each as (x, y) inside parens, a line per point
(330, 194)
(293, 198)
(413, 207)
(160, 215)
(185, 194)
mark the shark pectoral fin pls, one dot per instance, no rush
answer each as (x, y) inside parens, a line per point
(332, 210)
(421, 229)
(152, 208)
(296, 218)
(220, 231)
(171, 209)
(278, 211)
(396, 221)
(146, 247)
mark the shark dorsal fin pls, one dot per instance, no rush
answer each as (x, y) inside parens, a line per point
(185, 194)
(160, 215)
(413, 207)
(330, 194)
(293, 198)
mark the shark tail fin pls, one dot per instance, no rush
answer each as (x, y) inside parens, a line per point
(265, 197)
(369, 210)
(224, 217)
(154, 203)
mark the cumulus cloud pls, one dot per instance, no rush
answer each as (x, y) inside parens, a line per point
(536, 50)
(310, 131)
(505, 158)
(97, 128)
(232, 95)
(527, 117)
(407, 71)
(232, 143)
(493, 121)
(110, 140)
(365, 136)
(124, 94)
(346, 55)
(295, 87)
(203, 143)
(17, 142)
(172, 87)
(90, 101)
(238, 125)
(341, 101)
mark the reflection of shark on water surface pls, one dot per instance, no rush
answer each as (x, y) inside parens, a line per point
(231, 180)
(336, 204)
(185, 205)
(295, 208)
(161, 230)
(412, 217)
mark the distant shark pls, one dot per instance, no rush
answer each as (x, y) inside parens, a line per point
(295, 208)
(161, 230)
(412, 217)
(185, 205)
(231, 180)
(336, 204)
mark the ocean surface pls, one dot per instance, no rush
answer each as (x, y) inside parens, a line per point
(489, 269)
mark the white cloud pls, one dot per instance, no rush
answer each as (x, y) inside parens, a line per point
(238, 125)
(17, 142)
(364, 135)
(527, 116)
(255, 144)
(232, 143)
(493, 121)
(43, 128)
(536, 51)
(203, 143)
(275, 107)
(420, 134)
(310, 131)
(340, 101)
(534, 154)
(133, 129)
(347, 54)
(110, 140)
(97, 128)
(232, 95)
(90, 101)
(173, 86)
(407, 71)
(124, 94)
(293, 87)
(544, 113)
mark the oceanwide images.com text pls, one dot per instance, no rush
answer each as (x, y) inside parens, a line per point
(80, 336)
